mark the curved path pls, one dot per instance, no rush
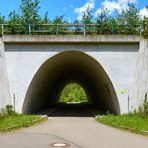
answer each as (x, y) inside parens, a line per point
(82, 132)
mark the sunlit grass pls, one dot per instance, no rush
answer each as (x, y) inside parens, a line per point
(132, 122)
(17, 121)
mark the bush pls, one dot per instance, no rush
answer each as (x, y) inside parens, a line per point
(143, 109)
(145, 106)
(7, 111)
(145, 33)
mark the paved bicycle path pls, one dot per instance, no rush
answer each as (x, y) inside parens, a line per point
(78, 132)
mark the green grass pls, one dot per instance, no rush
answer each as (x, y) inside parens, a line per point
(18, 121)
(132, 122)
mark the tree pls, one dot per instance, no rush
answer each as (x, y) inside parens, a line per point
(2, 19)
(44, 24)
(87, 19)
(14, 24)
(45, 20)
(145, 26)
(145, 20)
(129, 20)
(73, 93)
(104, 23)
(77, 28)
(58, 25)
(30, 12)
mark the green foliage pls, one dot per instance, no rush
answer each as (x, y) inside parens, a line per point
(30, 12)
(14, 122)
(14, 18)
(77, 29)
(132, 122)
(129, 20)
(145, 34)
(145, 106)
(46, 19)
(2, 19)
(73, 93)
(59, 29)
(27, 18)
(10, 120)
(136, 121)
(7, 111)
(87, 18)
(104, 22)
(143, 109)
(145, 24)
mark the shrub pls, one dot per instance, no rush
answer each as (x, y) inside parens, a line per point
(145, 33)
(143, 109)
(7, 111)
(145, 106)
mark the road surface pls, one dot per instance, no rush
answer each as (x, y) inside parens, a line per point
(77, 130)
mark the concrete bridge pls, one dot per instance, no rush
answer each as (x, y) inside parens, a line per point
(112, 69)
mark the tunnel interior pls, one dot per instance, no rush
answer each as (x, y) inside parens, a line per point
(66, 67)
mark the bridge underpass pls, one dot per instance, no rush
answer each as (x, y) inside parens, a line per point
(64, 68)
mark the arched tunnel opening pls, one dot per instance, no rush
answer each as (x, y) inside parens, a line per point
(66, 67)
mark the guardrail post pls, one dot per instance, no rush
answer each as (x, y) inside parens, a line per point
(14, 99)
(84, 29)
(29, 29)
(2, 27)
(57, 29)
(115, 28)
(128, 103)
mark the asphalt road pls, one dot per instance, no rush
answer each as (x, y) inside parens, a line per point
(78, 131)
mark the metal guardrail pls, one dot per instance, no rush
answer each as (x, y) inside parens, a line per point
(70, 29)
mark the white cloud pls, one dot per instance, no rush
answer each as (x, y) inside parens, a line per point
(79, 11)
(110, 5)
(127, 1)
(144, 12)
(118, 5)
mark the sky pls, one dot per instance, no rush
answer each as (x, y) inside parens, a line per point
(72, 9)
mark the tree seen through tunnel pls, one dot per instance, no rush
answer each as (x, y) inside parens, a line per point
(73, 92)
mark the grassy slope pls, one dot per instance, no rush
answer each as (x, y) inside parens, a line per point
(132, 122)
(14, 122)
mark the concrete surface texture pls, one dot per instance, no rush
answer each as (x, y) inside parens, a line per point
(77, 131)
(123, 60)
(4, 86)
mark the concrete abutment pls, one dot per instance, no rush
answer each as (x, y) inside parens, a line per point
(122, 63)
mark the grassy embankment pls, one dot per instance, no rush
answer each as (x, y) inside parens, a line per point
(9, 120)
(131, 122)
(136, 121)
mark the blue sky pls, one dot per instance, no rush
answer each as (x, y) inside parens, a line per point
(71, 8)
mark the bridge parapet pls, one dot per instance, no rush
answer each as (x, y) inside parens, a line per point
(71, 39)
